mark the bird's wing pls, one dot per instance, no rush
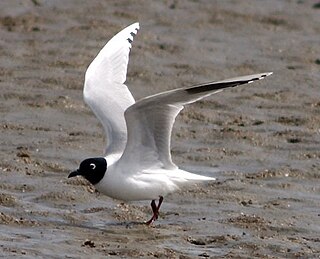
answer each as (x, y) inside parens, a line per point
(104, 89)
(150, 120)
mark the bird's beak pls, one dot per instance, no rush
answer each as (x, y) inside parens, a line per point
(74, 173)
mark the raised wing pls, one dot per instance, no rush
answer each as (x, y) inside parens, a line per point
(151, 119)
(104, 89)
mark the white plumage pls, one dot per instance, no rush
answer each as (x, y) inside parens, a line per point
(139, 164)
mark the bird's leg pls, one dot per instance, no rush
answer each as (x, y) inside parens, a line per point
(155, 210)
(160, 202)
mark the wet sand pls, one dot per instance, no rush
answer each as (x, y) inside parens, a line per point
(261, 141)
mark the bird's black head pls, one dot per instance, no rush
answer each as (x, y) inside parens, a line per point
(93, 169)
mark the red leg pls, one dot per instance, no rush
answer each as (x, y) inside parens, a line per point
(160, 202)
(154, 207)
(155, 210)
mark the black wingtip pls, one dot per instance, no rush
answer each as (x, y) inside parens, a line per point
(215, 86)
(133, 34)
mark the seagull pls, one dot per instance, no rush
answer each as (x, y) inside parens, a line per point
(137, 164)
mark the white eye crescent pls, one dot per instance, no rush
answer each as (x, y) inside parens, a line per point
(92, 166)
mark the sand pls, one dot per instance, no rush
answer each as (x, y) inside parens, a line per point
(261, 141)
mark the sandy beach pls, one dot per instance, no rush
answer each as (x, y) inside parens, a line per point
(261, 141)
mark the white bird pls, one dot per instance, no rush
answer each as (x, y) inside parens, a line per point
(138, 164)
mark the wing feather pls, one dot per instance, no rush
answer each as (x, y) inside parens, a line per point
(104, 89)
(151, 119)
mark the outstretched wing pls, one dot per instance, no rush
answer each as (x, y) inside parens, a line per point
(151, 119)
(104, 89)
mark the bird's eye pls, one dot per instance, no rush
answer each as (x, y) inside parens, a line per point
(92, 166)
